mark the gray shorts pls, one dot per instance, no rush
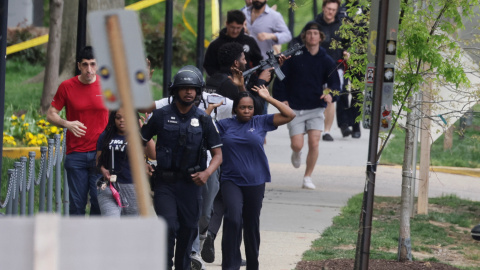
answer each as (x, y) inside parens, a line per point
(307, 120)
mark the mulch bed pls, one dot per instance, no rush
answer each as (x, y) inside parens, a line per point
(347, 264)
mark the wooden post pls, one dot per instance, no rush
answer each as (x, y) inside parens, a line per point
(46, 242)
(135, 148)
(422, 206)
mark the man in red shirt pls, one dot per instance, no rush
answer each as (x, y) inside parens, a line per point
(86, 119)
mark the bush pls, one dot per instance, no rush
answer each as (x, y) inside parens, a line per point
(34, 55)
(154, 35)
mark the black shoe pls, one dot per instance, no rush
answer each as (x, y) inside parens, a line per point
(327, 137)
(345, 131)
(208, 250)
(356, 134)
(243, 263)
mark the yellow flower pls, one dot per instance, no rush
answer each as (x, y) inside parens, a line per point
(53, 129)
(14, 117)
(23, 117)
(41, 123)
(26, 125)
(39, 141)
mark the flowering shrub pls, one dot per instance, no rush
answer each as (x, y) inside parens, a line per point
(30, 130)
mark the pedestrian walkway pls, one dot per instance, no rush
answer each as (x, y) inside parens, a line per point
(293, 217)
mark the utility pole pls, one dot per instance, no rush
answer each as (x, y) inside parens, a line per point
(168, 49)
(201, 34)
(81, 29)
(362, 253)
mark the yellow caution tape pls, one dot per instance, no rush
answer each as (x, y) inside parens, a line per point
(27, 44)
(143, 4)
(189, 27)
(136, 6)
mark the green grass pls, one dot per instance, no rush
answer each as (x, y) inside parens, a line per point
(339, 240)
(20, 95)
(464, 153)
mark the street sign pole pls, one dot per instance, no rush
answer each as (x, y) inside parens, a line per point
(137, 163)
(364, 233)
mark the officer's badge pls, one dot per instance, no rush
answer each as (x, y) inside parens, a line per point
(194, 122)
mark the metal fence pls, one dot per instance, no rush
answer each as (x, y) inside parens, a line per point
(22, 179)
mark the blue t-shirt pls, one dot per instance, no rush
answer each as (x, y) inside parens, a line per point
(121, 163)
(244, 159)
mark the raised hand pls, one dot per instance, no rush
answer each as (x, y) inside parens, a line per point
(237, 77)
(262, 91)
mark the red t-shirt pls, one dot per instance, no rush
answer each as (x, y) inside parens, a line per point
(84, 103)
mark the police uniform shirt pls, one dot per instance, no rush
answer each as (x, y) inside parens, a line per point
(179, 137)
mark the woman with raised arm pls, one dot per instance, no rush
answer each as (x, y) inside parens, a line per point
(245, 171)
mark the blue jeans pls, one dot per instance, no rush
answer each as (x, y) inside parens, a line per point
(82, 178)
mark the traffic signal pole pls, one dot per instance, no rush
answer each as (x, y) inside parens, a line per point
(365, 229)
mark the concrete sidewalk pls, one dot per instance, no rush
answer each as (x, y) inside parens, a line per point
(293, 217)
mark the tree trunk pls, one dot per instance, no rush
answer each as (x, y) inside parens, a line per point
(448, 139)
(53, 55)
(69, 33)
(425, 144)
(404, 243)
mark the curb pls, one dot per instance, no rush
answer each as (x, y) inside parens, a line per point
(17, 152)
(473, 172)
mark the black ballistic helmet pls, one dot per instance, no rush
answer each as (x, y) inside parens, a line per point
(188, 76)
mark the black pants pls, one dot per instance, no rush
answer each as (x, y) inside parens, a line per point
(347, 111)
(242, 208)
(179, 204)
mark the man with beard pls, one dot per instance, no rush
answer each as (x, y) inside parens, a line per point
(183, 132)
(231, 58)
(266, 26)
(233, 32)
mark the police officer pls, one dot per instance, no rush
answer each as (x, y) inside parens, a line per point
(183, 132)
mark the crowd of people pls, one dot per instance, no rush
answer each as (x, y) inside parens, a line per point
(210, 134)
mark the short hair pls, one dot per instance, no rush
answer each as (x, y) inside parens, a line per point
(228, 53)
(325, 2)
(85, 53)
(235, 16)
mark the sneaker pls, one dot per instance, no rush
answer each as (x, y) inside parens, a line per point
(296, 161)
(197, 263)
(345, 131)
(327, 137)
(307, 183)
(208, 250)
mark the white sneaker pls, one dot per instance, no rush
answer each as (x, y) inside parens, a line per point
(296, 159)
(197, 262)
(307, 183)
